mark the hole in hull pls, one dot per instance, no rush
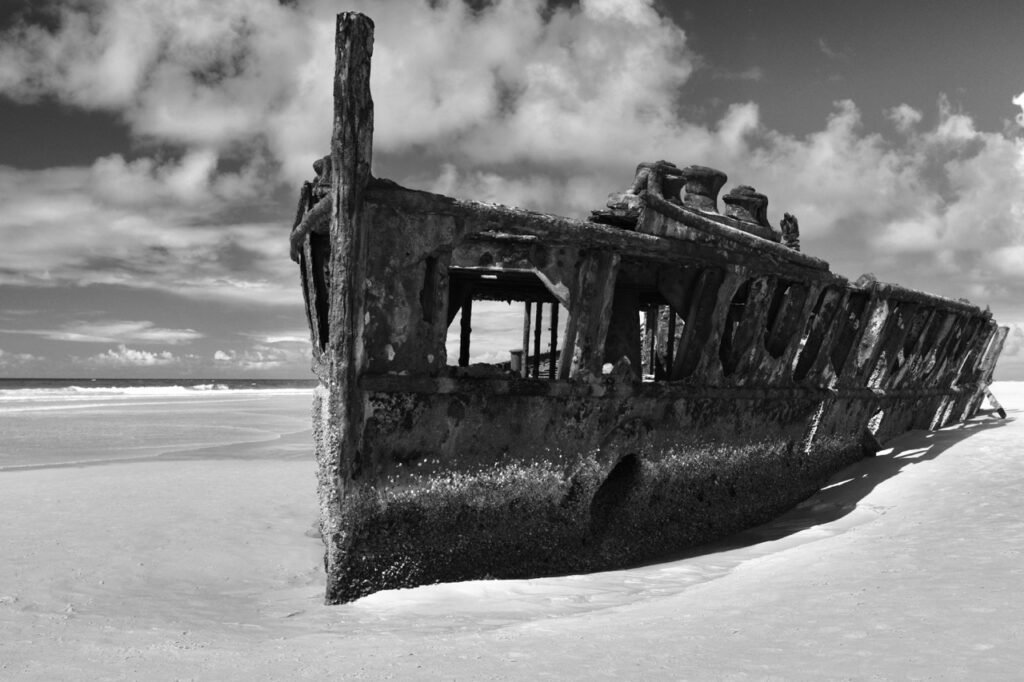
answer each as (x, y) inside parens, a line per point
(611, 497)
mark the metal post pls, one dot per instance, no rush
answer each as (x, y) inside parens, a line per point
(526, 341)
(466, 328)
(536, 339)
(554, 340)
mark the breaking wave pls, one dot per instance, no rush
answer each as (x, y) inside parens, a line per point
(75, 391)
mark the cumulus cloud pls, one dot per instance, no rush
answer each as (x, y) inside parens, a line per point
(515, 102)
(122, 356)
(16, 360)
(263, 356)
(193, 180)
(182, 70)
(211, 76)
(904, 117)
(1019, 102)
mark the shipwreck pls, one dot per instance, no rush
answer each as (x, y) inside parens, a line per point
(683, 373)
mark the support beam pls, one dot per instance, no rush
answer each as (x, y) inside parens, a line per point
(919, 355)
(338, 455)
(588, 318)
(524, 370)
(537, 324)
(465, 331)
(746, 348)
(670, 342)
(898, 327)
(788, 319)
(924, 319)
(650, 337)
(814, 354)
(552, 370)
(699, 323)
(624, 336)
(851, 323)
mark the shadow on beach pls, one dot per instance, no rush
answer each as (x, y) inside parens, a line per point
(518, 600)
(840, 495)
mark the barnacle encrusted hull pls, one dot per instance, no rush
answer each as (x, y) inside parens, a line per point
(472, 484)
(697, 374)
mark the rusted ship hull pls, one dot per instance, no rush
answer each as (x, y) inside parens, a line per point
(766, 373)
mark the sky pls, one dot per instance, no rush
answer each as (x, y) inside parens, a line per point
(151, 150)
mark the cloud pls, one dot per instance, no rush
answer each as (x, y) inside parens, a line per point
(214, 76)
(122, 356)
(192, 179)
(291, 336)
(1019, 102)
(182, 70)
(1014, 344)
(514, 102)
(16, 360)
(497, 329)
(904, 116)
(947, 199)
(66, 227)
(264, 356)
(251, 81)
(137, 331)
(534, 89)
(826, 49)
(754, 73)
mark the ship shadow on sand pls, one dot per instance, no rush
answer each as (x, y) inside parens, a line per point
(842, 493)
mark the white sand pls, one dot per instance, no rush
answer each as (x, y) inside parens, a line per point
(909, 567)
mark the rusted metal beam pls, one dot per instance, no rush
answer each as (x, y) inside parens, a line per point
(700, 319)
(623, 339)
(900, 293)
(527, 321)
(858, 310)
(786, 321)
(590, 314)
(465, 332)
(893, 339)
(488, 222)
(537, 328)
(351, 153)
(553, 369)
(741, 348)
(819, 328)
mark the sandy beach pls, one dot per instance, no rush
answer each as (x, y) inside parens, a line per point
(199, 566)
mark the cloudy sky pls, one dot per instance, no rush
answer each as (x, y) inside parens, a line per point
(151, 150)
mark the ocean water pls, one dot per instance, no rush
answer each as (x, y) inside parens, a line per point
(78, 422)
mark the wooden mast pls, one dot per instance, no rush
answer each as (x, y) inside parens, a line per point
(341, 399)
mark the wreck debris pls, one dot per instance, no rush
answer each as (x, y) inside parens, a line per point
(315, 204)
(750, 208)
(659, 178)
(790, 231)
(702, 187)
(699, 378)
